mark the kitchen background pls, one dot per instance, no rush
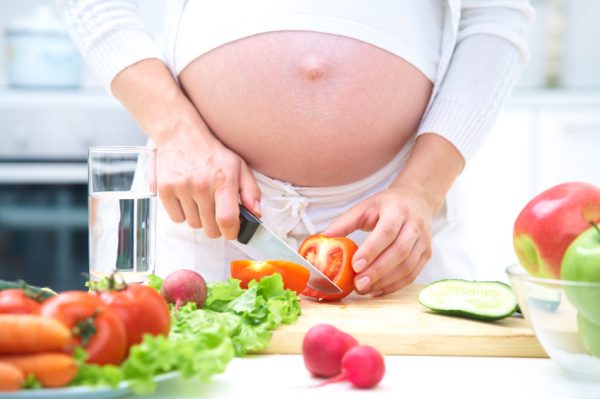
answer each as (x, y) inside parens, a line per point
(53, 109)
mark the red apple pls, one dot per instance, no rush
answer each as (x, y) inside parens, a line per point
(550, 222)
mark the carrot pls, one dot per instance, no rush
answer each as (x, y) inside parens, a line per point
(11, 378)
(52, 370)
(21, 334)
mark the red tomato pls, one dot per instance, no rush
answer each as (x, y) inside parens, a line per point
(16, 301)
(294, 276)
(141, 309)
(98, 329)
(333, 257)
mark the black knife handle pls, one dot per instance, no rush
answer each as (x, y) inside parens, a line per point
(248, 225)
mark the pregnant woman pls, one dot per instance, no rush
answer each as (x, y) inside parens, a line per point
(347, 117)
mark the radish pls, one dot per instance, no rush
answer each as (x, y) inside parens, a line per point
(183, 286)
(362, 365)
(323, 348)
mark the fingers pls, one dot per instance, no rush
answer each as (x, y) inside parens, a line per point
(206, 209)
(211, 200)
(357, 218)
(171, 204)
(405, 249)
(402, 282)
(190, 210)
(249, 191)
(227, 210)
(187, 200)
(401, 271)
(383, 236)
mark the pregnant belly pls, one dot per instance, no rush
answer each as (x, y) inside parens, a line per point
(309, 108)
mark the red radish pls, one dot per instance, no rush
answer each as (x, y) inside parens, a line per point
(183, 286)
(362, 365)
(323, 348)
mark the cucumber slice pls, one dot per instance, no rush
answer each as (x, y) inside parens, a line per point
(480, 300)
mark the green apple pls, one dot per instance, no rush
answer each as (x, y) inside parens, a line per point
(589, 333)
(582, 263)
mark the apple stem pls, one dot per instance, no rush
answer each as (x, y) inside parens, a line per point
(595, 226)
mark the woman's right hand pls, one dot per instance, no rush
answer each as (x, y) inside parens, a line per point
(200, 181)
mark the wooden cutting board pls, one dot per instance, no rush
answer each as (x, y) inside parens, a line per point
(398, 324)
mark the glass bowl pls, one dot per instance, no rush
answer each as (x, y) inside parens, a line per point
(565, 316)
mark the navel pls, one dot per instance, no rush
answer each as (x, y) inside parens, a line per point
(313, 68)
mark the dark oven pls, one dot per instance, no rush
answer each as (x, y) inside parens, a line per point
(43, 224)
(44, 137)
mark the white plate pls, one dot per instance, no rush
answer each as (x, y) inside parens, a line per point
(81, 392)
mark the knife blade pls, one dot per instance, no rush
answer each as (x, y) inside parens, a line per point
(256, 235)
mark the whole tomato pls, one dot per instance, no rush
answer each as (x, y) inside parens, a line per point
(16, 301)
(333, 257)
(141, 309)
(294, 276)
(97, 328)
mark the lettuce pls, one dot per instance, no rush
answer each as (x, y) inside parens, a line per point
(155, 282)
(250, 315)
(202, 342)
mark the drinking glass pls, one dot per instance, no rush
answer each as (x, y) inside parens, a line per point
(122, 212)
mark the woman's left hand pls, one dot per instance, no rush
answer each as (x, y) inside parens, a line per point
(399, 244)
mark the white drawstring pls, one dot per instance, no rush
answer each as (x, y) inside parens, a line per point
(286, 215)
(289, 210)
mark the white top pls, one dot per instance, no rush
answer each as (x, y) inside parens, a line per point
(483, 52)
(410, 30)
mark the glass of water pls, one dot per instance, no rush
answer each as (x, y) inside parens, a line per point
(122, 212)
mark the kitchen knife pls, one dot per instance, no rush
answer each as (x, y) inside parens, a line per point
(256, 235)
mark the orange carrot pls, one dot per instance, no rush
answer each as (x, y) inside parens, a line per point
(52, 370)
(11, 378)
(21, 334)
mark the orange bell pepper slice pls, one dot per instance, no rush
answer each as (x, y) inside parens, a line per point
(294, 276)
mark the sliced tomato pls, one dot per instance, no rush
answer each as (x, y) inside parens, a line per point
(141, 309)
(294, 276)
(98, 329)
(333, 257)
(16, 301)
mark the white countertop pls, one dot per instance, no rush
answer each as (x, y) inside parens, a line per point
(284, 376)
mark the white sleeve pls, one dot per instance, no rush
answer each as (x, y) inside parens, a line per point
(110, 34)
(490, 54)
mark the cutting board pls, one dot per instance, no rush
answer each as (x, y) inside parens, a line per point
(398, 324)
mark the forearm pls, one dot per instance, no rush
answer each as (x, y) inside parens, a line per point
(149, 92)
(487, 61)
(199, 180)
(432, 167)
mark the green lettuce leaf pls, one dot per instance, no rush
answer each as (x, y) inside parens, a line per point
(155, 282)
(198, 346)
(90, 374)
(221, 294)
(202, 342)
(31, 383)
(259, 309)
